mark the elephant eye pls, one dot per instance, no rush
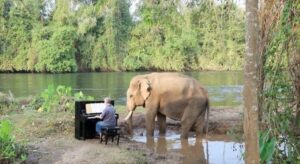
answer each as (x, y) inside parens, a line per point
(130, 96)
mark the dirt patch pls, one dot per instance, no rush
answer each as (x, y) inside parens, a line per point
(64, 148)
(68, 150)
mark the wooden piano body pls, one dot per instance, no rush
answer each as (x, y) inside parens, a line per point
(85, 122)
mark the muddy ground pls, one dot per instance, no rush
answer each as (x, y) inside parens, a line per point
(65, 149)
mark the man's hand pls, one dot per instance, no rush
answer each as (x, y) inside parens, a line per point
(98, 116)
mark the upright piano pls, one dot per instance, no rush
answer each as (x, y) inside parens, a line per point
(85, 121)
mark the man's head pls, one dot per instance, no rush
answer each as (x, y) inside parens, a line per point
(107, 100)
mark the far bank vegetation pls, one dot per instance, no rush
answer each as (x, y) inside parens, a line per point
(72, 36)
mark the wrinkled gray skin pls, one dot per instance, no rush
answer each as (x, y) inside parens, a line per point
(172, 95)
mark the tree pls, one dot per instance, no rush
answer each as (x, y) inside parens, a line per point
(58, 53)
(251, 84)
(166, 35)
(111, 46)
(162, 39)
(220, 34)
(280, 49)
(17, 19)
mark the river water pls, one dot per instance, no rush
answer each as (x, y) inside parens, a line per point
(214, 149)
(224, 87)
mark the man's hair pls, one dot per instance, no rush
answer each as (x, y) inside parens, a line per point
(107, 100)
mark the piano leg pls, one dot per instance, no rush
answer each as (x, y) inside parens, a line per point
(83, 129)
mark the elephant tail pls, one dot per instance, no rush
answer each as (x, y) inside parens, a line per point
(207, 117)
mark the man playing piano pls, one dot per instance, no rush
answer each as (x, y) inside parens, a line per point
(107, 117)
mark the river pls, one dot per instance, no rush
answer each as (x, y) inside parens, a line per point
(225, 87)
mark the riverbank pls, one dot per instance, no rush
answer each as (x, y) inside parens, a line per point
(50, 138)
(222, 120)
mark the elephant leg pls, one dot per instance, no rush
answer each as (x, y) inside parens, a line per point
(161, 120)
(150, 143)
(199, 125)
(185, 128)
(161, 146)
(187, 121)
(150, 123)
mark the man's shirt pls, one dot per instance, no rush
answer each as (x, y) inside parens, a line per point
(108, 115)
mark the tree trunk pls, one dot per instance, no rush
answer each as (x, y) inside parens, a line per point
(251, 86)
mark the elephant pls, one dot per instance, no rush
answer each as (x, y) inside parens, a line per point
(173, 95)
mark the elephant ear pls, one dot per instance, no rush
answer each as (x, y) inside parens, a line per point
(145, 88)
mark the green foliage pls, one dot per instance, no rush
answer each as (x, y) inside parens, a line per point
(267, 147)
(9, 149)
(58, 53)
(19, 19)
(103, 36)
(222, 35)
(177, 37)
(110, 47)
(60, 98)
(161, 43)
(279, 92)
(80, 96)
(62, 15)
(89, 25)
(50, 99)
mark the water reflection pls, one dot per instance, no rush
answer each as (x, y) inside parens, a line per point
(193, 153)
(160, 147)
(215, 149)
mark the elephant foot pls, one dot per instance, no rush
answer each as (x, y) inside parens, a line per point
(149, 136)
(162, 134)
(184, 136)
(150, 133)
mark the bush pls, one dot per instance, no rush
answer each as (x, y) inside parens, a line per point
(59, 99)
(9, 149)
(58, 53)
(8, 103)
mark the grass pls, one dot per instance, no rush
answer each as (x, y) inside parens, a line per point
(32, 124)
(10, 150)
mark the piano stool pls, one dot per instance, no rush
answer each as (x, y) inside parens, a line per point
(110, 132)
